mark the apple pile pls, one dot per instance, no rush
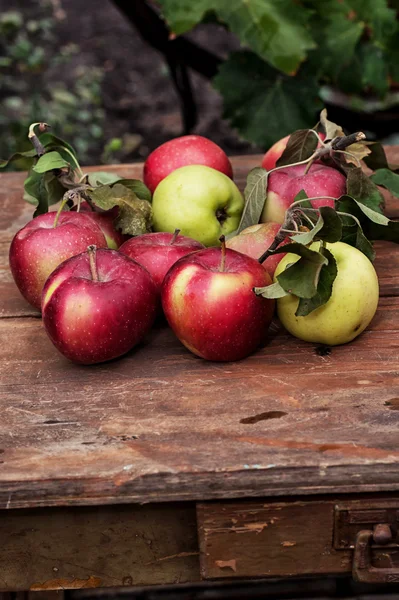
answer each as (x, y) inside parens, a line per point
(118, 252)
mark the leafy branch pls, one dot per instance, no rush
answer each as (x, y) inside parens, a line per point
(55, 175)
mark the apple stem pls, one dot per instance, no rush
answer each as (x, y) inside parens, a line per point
(176, 233)
(34, 140)
(65, 199)
(280, 236)
(310, 163)
(91, 250)
(222, 240)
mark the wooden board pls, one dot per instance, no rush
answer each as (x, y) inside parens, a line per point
(278, 539)
(90, 547)
(162, 425)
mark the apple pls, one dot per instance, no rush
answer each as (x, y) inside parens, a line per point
(208, 300)
(254, 240)
(200, 201)
(349, 310)
(157, 252)
(274, 153)
(283, 185)
(45, 242)
(98, 305)
(183, 151)
(105, 220)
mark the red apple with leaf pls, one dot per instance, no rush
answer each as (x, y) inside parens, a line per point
(208, 300)
(98, 305)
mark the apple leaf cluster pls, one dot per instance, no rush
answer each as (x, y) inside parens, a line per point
(356, 219)
(55, 175)
(295, 52)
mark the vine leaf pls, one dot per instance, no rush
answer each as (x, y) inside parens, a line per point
(262, 104)
(276, 31)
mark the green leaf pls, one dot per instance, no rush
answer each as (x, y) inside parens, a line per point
(135, 214)
(308, 236)
(35, 192)
(261, 103)
(363, 189)
(302, 195)
(354, 236)
(328, 228)
(301, 145)
(277, 30)
(138, 187)
(99, 178)
(377, 158)
(50, 161)
(387, 179)
(327, 277)
(271, 292)
(17, 156)
(302, 277)
(255, 196)
(374, 69)
(389, 233)
(332, 225)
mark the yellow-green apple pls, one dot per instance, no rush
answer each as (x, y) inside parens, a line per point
(183, 151)
(254, 240)
(274, 153)
(208, 300)
(200, 201)
(45, 242)
(157, 252)
(349, 310)
(283, 185)
(105, 219)
(98, 305)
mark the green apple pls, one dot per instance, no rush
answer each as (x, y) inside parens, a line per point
(200, 201)
(349, 310)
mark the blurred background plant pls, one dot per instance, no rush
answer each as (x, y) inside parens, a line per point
(119, 77)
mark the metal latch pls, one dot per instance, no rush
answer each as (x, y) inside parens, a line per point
(365, 528)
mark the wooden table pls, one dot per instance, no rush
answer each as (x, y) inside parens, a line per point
(160, 467)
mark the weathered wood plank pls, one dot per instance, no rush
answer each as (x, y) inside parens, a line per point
(98, 547)
(161, 423)
(276, 539)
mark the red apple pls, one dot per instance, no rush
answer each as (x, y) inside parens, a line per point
(39, 247)
(157, 252)
(273, 154)
(98, 305)
(283, 185)
(208, 300)
(181, 152)
(255, 240)
(105, 220)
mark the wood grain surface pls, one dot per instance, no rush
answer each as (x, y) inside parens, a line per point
(278, 539)
(162, 425)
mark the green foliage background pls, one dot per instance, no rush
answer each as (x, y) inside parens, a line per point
(291, 49)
